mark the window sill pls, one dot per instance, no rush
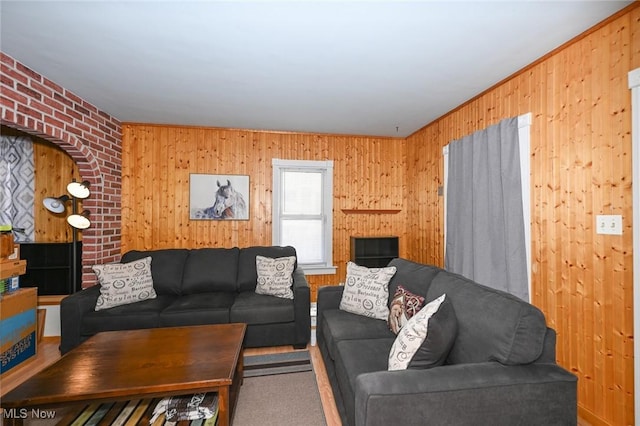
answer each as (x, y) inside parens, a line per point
(319, 270)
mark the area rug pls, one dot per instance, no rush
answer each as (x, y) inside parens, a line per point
(265, 365)
(280, 400)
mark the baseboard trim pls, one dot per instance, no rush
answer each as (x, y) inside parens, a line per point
(591, 418)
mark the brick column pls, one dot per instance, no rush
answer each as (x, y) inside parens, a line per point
(35, 105)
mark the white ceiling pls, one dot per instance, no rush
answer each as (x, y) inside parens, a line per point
(345, 67)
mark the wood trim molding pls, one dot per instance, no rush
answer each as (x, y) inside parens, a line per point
(371, 211)
(50, 300)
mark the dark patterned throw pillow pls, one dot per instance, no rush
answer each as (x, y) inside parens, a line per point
(404, 305)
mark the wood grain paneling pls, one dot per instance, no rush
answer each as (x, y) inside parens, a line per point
(369, 173)
(580, 167)
(53, 170)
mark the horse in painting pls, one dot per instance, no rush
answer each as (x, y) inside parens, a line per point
(229, 204)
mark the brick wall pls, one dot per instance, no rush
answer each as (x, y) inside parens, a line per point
(38, 106)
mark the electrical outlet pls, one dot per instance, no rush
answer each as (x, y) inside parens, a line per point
(609, 224)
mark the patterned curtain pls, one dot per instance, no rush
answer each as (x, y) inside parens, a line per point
(17, 186)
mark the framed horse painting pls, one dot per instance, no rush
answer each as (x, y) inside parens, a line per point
(218, 197)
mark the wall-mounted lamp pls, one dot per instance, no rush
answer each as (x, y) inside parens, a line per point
(78, 221)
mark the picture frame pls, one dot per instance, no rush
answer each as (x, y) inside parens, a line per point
(218, 197)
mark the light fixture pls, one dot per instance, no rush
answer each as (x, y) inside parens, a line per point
(56, 205)
(77, 221)
(79, 189)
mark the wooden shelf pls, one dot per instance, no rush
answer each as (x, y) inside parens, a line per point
(12, 268)
(50, 300)
(371, 211)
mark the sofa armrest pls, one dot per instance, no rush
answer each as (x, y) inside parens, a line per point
(461, 394)
(549, 347)
(72, 309)
(329, 298)
(301, 308)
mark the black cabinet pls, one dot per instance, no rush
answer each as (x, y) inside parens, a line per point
(373, 252)
(49, 267)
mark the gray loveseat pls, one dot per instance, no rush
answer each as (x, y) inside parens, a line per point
(194, 287)
(501, 369)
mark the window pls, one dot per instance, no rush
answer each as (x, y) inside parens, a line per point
(303, 212)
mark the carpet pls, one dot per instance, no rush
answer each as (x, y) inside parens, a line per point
(265, 365)
(280, 400)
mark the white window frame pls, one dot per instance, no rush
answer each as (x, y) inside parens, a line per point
(326, 167)
(634, 86)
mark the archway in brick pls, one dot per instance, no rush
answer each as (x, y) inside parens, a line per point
(89, 170)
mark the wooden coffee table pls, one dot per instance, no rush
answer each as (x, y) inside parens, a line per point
(158, 362)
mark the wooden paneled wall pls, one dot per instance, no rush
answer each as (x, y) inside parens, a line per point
(54, 169)
(580, 167)
(369, 175)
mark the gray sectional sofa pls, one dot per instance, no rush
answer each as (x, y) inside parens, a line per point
(501, 369)
(199, 286)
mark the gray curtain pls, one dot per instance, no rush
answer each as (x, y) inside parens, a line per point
(485, 231)
(17, 186)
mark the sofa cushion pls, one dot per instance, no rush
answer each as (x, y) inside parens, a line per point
(197, 309)
(252, 308)
(426, 339)
(492, 325)
(247, 273)
(124, 283)
(338, 325)
(356, 357)
(441, 334)
(404, 306)
(145, 314)
(275, 276)
(167, 268)
(210, 269)
(413, 276)
(366, 291)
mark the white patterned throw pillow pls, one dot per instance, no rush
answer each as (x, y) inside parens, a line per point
(425, 340)
(275, 276)
(366, 291)
(124, 283)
